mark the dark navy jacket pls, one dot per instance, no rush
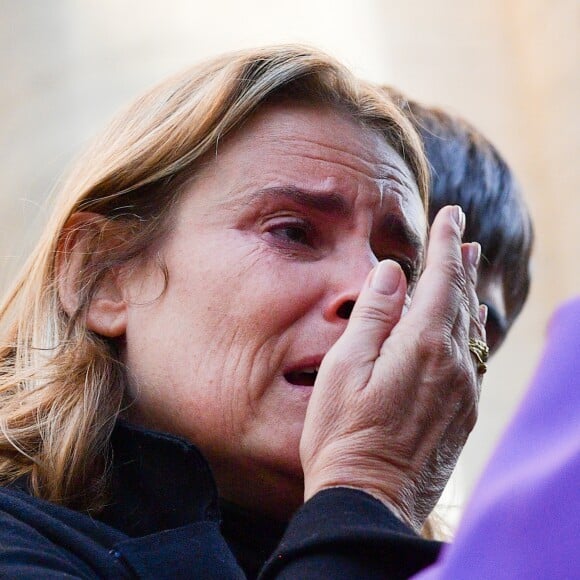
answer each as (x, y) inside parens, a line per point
(164, 522)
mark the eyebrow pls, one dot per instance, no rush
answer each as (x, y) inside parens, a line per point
(332, 203)
(398, 229)
(329, 203)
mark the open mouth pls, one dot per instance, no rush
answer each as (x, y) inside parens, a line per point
(304, 377)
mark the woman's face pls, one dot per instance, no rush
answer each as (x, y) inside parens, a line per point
(269, 248)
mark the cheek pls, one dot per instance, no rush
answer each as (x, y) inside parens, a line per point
(221, 331)
(264, 295)
(183, 383)
(197, 338)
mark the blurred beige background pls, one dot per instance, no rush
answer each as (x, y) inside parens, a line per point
(509, 66)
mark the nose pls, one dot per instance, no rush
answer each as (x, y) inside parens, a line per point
(345, 285)
(345, 309)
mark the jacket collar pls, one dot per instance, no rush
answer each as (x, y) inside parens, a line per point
(158, 482)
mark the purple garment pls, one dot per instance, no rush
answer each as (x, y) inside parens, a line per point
(523, 520)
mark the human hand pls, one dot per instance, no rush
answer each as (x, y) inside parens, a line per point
(396, 397)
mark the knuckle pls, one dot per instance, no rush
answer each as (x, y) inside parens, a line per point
(454, 270)
(465, 379)
(370, 312)
(435, 344)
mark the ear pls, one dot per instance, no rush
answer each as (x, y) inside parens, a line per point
(107, 312)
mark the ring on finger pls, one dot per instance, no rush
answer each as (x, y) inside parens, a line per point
(481, 352)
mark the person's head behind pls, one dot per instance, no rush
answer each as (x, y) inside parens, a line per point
(467, 170)
(63, 384)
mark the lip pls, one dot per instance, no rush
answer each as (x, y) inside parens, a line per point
(302, 374)
(306, 362)
(300, 366)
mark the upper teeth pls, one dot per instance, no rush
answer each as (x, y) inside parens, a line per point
(310, 370)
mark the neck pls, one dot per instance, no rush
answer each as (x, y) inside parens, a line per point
(270, 494)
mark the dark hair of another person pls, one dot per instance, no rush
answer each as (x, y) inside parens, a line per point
(467, 170)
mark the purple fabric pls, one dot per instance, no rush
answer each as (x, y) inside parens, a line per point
(523, 520)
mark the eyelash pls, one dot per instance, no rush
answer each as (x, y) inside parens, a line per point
(304, 228)
(308, 241)
(408, 268)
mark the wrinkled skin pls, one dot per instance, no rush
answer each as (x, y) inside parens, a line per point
(396, 397)
(269, 249)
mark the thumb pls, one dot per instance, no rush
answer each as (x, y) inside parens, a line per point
(377, 310)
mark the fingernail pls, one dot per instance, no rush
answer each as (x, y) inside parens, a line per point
(407, 305)
(386, 277)
(459, 218)
(474, 254)
(483, 313)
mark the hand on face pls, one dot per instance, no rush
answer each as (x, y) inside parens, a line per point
(396, 398)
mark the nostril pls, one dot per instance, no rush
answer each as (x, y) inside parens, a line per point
(345, 309)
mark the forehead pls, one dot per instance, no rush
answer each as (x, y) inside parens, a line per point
(323, 135)
(316, 149)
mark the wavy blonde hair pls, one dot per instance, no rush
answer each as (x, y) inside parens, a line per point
(62, 386)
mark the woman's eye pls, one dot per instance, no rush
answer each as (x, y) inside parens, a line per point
(293, 233)
(408, 269)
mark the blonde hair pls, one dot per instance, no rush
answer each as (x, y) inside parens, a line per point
(61, 385)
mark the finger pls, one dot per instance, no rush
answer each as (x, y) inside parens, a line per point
(438, 294)
(467, 323)
(482, 312)
(377, 310)
(470, 322)
(471, 255)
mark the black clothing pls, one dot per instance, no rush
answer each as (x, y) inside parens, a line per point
(251, 538)
(163, 522)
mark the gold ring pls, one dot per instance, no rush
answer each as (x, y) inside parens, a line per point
(481, 351)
